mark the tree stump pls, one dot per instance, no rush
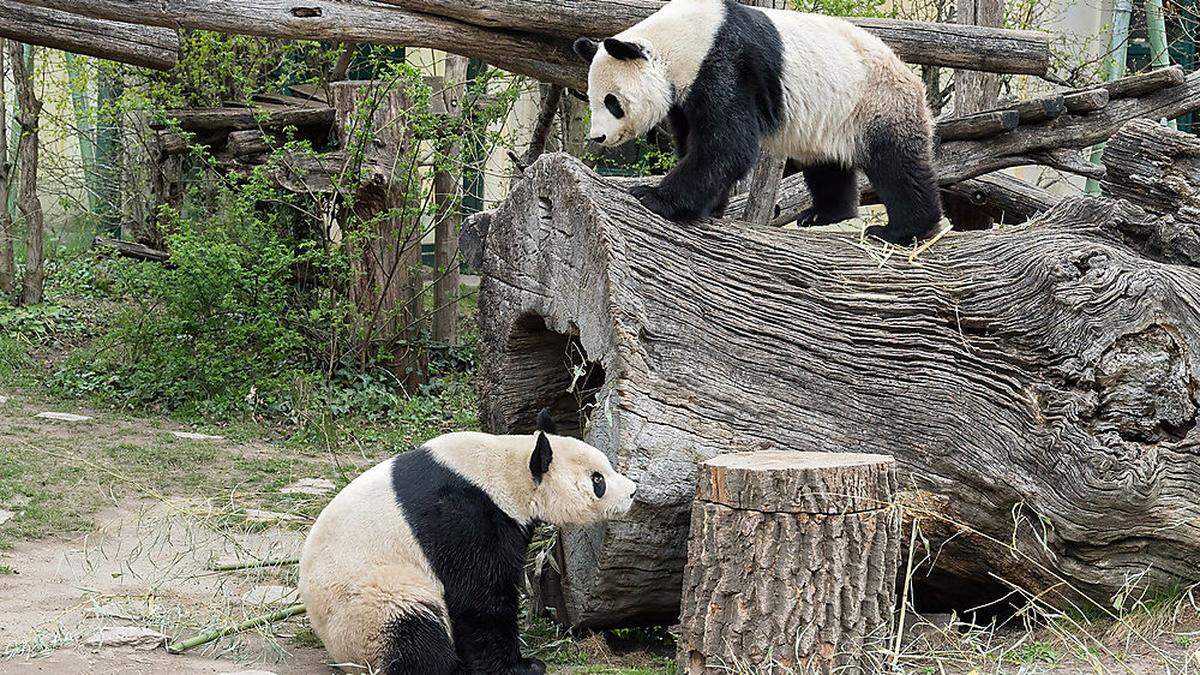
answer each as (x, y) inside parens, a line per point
(791, 563)
(1038, 385)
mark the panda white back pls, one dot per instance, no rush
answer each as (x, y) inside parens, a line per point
(730, 78)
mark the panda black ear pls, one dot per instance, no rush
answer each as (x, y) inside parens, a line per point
(586, 48)
(622, 50)
(539, 461)
(545, 422)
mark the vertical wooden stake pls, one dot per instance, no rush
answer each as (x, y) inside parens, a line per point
(447, 187)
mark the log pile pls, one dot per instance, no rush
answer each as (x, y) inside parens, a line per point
(1037, 385)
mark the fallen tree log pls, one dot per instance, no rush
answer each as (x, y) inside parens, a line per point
(145, 46)
(1037, 385)
(530, 37)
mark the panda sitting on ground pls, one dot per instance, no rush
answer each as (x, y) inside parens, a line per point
(415, 567)
(817, 89)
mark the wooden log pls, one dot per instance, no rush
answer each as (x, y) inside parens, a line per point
(447, 189)
(956, 161)
(979, 125)
(1038, 109)
(247, 143)
(242, 118)
(1158, 169)
(1141, 84)
(764, 188)
(130, 249)
(145, 46)
(792, 564)
(1083, 102)
(530, 37)
(1035, 384)
(1008, 199)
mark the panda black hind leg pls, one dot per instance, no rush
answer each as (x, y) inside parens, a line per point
(898, 164)
(416, 643)
(834, 190)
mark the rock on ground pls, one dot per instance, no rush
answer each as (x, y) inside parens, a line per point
(193, 436)
(6, 516)
(316, 487)
(127, 636)
(63, 417)
(270, 595)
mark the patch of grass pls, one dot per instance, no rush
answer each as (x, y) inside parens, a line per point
(1033, 652)
(307, 638)
(6, 570)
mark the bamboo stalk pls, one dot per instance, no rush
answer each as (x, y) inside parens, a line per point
(255, 622)
(252, 564)
(1118, 49)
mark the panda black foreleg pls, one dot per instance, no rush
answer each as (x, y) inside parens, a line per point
(899, 166)
(698, 187)
(489, 641)
(834, 190)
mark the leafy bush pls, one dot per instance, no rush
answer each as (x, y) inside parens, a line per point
(212, 331)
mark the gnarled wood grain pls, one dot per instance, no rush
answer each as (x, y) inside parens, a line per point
(1037, 384)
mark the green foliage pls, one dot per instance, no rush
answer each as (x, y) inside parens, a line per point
(212, 330)
(840, 7)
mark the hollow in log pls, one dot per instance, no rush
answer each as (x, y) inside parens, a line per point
(1037, 385)
(792, 564)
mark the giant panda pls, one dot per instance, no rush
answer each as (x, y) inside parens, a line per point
(415, 567)
(817, 89)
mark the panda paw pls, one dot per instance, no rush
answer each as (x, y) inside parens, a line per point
(649, 196)
(528, 667)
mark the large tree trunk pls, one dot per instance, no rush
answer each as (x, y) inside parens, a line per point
(29, 112)
(145, 46)
(387, 289)
(530, 37)
(1037, 385)
(7, 264)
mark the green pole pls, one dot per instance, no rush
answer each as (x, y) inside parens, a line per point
(1114, 68)
(1156, 32)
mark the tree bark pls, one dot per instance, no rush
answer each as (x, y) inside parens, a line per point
(7, 263)
(29, 111)
(1006, 198)
(792, 562)
(1037, 385)
(386, 288)
(1155, 167)
(529, 37)
(145, 46)
(447, 186)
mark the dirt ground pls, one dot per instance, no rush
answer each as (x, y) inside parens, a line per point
(116, 522)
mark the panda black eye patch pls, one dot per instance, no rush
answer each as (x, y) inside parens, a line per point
(614, 106)
(598, 484)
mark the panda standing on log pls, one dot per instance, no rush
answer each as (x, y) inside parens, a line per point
(415, 568)
(819, 90)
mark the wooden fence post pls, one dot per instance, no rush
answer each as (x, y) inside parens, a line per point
(792, 563)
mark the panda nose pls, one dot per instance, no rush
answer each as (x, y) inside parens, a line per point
(600, 138)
